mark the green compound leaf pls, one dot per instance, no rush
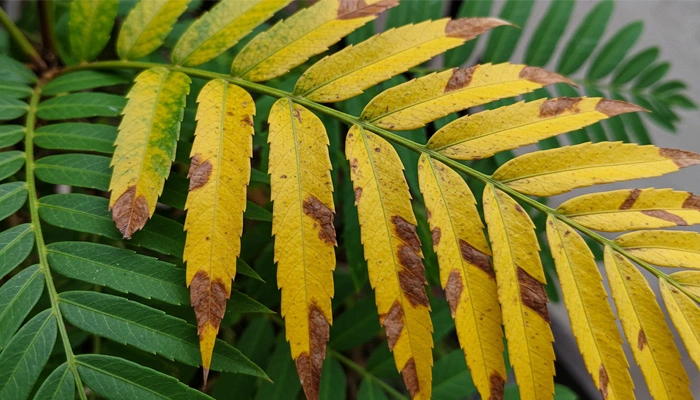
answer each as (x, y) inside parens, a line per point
(615, 50)
(548, 34)
(585, 38)
(89, 27)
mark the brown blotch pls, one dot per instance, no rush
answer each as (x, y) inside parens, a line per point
(393, 324)
(248, 121)
(666, 216)
(406, 231)
(554, 107)
(354, 165)
(641, 339)
(612, 108)
(682, 158)
(630, 200)
(297, 115)
(130, 214)
(692, 201)
(453, 290)
(208, 298)
(469, 28)
(542, 76)
(532, 294)
(475, 257)
(320, 212)
(436, 234)
(350, 9)
(358, 194)
(519, 209)
(199, 172)
(309, 365)
(603, 381)
(461, 77)
(411, 277)
(496, 387)
(410, 377)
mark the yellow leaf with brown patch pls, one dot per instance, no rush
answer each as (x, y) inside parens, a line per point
(466, 273)
(556, 171)
(488, 132)
(145, 146)
(423, 100)
(307, 33)
(592, 319)
(393, 253)
(630, 209)
(302, 222)
(645, 327)
(219, 175)
(685, 315)
(675, 249)
(521, 281)
(348, 72)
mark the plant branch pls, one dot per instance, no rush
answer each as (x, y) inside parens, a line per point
(46, 10)
(39, 237)
(398, 139)
(21, 40)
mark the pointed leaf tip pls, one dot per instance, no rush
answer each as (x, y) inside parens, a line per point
(469, 28)
(612, 108)
(682, 158)
(205, 376)
(544, 77)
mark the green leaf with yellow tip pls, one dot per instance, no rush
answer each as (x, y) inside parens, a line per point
(89, 26)
(146, 27)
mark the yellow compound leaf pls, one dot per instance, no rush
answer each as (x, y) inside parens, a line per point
(676, 249)
(219, 175)
(646, 330)
(592, 319)
(486, 133)
(302, 222)
(630, 209)
(415, 103)
(556, 171)
(521, 293)
(393, 253)
(307, 33)
(221, 28)
(145, 146)
(146, 27)
(466, 273)
(685, 315)
(348, 72)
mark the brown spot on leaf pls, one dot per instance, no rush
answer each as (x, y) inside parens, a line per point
(496, 387)
(248, 121)
(475, 257)
(130, 214)
(297, 115)
(692, 201)
(469, 28)
(393, 324)
(320, 212)
(436, 233)
(358, 194)
(612, 108)
(208, 298)
(542, 76)
(666, 216)
(406, 231)
(410, 377)
(553, 107)
(411, 277)
(350, 9)
(309, 365)
(532, 294)
(199, 172)
(453, 290)
(519, 209)
(603, 381)
(354, 165)
(641, 340)
(630, 200)
(682, 158)
(461, 77)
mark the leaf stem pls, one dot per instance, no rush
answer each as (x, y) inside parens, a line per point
(21, 40)
(361, 370)
(396, 138)
(39, 237)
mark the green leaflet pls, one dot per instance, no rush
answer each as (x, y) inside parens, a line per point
(221, 28)
(452, 380)
(652, 75)
(148, 329)
(333, 381)
(118, 379)
(370, 391)
(17, 298)
(14, 71)
(14, 90)
(585, 38)
(12, 108)
(146, 27)
(10, 163)
(15, 245)
(256, 213)
(89, 27)
(548, 34)
(615, 50)
(285, 382)
(502, 42)
(668, 88)
(60, 385)
(81, 105)
(81, 170)
(12, 198)
(82, 80)
(635, 65)
(10, 135)
(25, 356)
(355, 326)
(77, 136)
